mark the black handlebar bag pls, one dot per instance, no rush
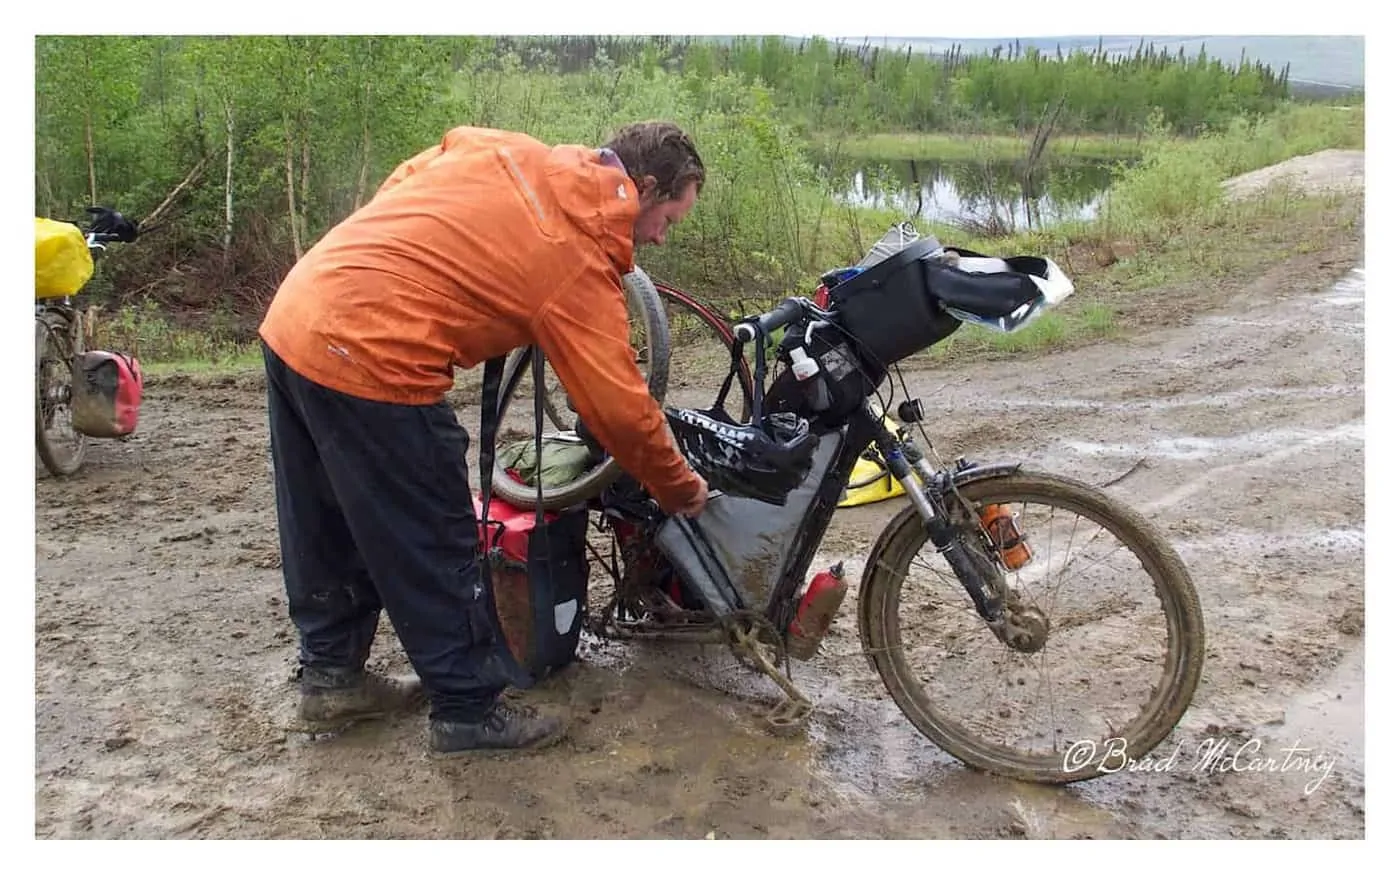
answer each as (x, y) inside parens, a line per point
(902, 304)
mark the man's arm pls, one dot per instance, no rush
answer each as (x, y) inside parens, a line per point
(583, 332)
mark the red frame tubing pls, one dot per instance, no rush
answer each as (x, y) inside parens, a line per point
(711, 316)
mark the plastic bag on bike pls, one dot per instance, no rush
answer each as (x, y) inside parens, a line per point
(106, 394)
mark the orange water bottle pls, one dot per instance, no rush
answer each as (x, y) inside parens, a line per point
(815, 612)
(1006, 535)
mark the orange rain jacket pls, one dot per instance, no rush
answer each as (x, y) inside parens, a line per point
(484, 243)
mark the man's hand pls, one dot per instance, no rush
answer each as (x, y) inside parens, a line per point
(696, 505)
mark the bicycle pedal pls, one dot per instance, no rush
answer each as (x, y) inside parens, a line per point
(788, 718)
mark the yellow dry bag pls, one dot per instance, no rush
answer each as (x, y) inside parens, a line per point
(62, 263)
(869, 481)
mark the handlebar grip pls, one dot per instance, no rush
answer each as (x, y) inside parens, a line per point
(779, 316)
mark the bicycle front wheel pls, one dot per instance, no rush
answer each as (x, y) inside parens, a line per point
(1114, 638)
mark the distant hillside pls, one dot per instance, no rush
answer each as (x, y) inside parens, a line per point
(1331, 61)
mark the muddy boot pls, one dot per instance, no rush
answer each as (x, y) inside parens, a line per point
(333, 700)
(505, 727)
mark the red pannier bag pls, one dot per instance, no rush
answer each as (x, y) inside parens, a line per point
(106, 394)
(534, 561)
(539, 580)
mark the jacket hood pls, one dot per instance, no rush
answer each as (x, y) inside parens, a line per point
(599, 198)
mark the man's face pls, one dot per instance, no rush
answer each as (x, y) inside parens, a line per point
(657, 216)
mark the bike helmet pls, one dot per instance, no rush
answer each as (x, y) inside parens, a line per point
(764, 463)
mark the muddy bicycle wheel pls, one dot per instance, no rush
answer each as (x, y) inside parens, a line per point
(700, 342)
(1116, 658)
(517, 402)
(61, 448)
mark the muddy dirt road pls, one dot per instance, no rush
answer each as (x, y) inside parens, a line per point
(163, 653)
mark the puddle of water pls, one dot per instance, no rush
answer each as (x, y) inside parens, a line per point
(1192, 448)
(1349, 291)
(867, 749)
(864, 750)
(1220, 399)
(1329, 720)
(1353, 432)
(956, 191)
(1243, 543)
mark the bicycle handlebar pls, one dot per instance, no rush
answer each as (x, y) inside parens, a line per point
(109, 226)
(781, 315)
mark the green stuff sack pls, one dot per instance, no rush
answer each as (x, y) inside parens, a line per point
(566, 459)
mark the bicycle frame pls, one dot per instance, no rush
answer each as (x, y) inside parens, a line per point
(50, 312)
(924, 487)
(782, 604)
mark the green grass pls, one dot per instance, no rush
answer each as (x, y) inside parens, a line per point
(1178, 183)
(1165, 280)
(246, 362)
(1097, 320)
(165, 348)
(1167, 212)
(1277, 224)
(972, 147)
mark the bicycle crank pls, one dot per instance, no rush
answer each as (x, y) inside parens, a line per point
(789, 716)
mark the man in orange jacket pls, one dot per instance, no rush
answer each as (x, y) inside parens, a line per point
(486, 242)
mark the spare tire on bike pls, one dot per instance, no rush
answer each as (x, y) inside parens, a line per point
(565, 458)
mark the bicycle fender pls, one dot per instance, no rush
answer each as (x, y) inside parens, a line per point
(972, 472)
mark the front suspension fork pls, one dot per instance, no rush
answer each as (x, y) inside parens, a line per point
(974, 570)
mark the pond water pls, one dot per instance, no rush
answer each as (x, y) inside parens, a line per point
(986, 194)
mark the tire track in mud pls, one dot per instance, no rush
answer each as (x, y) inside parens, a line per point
(163, 651)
